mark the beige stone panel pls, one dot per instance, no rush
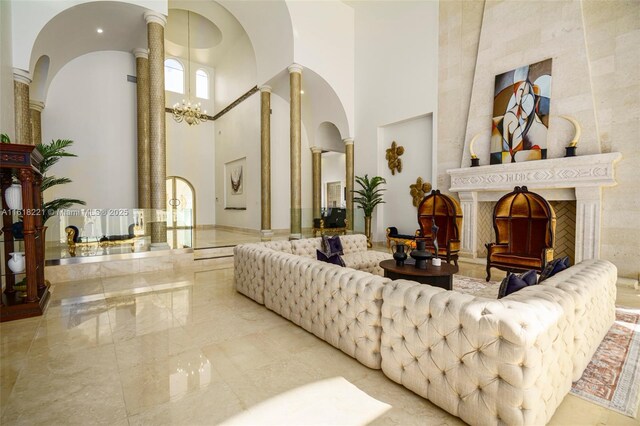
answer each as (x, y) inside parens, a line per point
(22, 113)
(295, 153)
(144, 160)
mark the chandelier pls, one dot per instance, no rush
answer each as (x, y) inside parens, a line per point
(185, 111)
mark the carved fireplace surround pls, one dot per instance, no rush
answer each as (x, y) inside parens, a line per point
(578, 178)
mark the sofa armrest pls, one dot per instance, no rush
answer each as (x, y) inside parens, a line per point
(485, 361)
(547, 256)
(493, 248)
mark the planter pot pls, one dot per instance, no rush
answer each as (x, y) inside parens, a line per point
(421, 255)
(13, 196)
(400, 255)
(17, 262)
(367, 230)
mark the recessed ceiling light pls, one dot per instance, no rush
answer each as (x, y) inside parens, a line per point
(99, 31)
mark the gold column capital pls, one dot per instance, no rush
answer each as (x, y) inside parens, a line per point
(316, 150)
(21, 76)
(265, 88)
(140, 52)
(36, 105)
(348, 141)
(295, 68)
(155, 17)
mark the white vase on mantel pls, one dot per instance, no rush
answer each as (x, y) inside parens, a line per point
(17, 262)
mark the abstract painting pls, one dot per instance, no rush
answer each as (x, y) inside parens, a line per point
(521, 114)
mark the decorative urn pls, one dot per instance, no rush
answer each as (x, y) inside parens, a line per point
(421, 255)
(400, 255)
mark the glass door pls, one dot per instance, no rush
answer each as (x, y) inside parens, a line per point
(181, 216)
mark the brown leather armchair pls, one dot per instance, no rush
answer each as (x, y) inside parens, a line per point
(525, 225)
(446, 213)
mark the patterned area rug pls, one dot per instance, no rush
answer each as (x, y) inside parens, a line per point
(612, 378)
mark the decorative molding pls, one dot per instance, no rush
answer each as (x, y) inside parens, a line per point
(21, 76)
(235, 103)
(265, 89)
(570, 172)
(36, 105)
(139, 52)
(295, 68)
(155, 17)
(348, 141)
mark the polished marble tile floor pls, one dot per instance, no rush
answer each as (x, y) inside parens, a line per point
(184, 348)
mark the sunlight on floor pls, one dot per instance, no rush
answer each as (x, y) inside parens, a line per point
(330, 401)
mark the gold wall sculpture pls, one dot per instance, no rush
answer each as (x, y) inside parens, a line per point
(393, 157)
(418, 190)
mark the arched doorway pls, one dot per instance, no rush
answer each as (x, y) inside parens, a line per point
(181, 212)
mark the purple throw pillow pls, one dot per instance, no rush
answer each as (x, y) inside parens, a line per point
(334, 259)
(553, 267)
(515, 282)
(332, 245)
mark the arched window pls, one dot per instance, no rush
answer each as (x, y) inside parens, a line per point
(202, 84)
(173, 76)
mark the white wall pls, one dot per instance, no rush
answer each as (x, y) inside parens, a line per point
(237, 133)
(333, 170)
(415, 135)
(6, 71)
(91, 102)
(396, 77)
(324, 42)
(191, 149)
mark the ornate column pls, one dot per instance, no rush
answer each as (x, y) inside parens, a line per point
(29, 231)
(265, 161)
(316, 170)
(22, 117)
(295, 132)
(348, 149)
(142, 95)
(157, 137)
(35, 110)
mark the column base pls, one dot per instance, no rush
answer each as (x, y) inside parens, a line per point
(159, 246)
(295, 237)
(266, 233)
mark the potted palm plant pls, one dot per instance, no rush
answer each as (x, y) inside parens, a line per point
(52, 153)
(369, 196)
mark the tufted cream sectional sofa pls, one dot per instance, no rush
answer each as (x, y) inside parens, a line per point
(489, 362)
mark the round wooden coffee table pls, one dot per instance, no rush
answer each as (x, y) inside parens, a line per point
(438, 276)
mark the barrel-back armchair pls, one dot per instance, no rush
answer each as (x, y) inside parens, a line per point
(525, 225)
(446, 213)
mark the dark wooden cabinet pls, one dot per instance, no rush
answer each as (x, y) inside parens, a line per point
(21, 162)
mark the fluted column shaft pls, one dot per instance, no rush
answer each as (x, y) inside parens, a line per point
(22, 116)
(157, 136)
(35, 111)
(144, 163)
(295, 132)
(265, 160)
(348, 145)
(316, 170)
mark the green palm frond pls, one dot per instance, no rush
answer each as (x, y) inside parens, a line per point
(49, 181)
(50, 208)
(4, 138)
(53, 152)
(371, 193)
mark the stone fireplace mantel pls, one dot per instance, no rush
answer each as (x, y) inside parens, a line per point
(578, 178)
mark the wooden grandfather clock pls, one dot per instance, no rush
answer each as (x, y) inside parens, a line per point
(25, 292)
